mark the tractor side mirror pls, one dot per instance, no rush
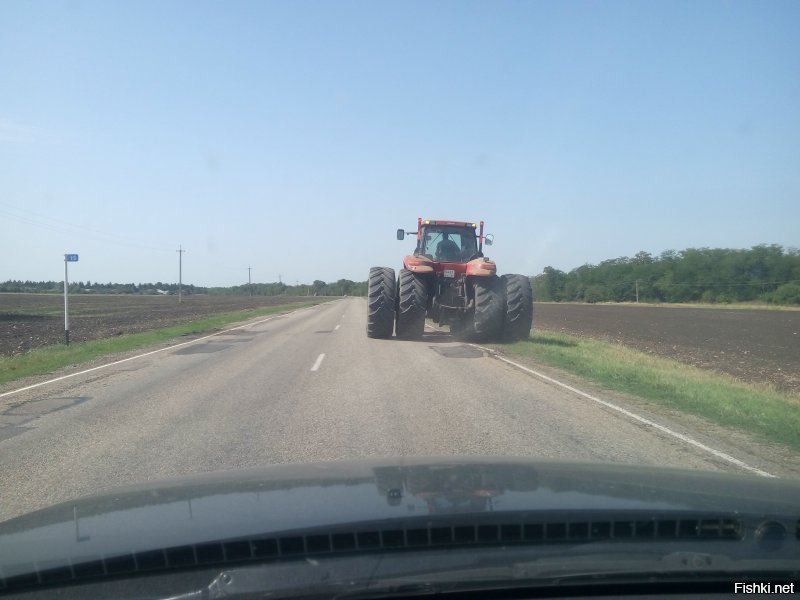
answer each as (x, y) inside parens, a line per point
(401, 234)
(488, 239)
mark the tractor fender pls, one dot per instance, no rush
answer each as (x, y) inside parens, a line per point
(481, 267)
(418, 264)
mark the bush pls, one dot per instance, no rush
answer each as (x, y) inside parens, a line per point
(595, 293)
(788, 293)
(708, 297)
(726, 298)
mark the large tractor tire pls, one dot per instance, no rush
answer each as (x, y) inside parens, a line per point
(519, 307)
(412, 305)
(380, 301)
(490, 308)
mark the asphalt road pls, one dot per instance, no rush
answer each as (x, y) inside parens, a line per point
(265, 394)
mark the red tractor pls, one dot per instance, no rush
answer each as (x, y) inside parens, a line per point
(449, 280)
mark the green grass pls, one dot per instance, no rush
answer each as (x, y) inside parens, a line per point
(45, 360)
(770, 415)
(710, 305)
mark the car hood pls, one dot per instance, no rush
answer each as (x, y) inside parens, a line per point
(331, 496)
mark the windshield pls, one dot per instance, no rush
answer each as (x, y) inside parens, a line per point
(214, 218)
(451, 244)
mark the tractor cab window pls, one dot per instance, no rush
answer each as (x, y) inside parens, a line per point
(449, 244)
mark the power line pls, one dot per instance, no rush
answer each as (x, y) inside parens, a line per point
(716, 283)
(641, 282)
(58, 226)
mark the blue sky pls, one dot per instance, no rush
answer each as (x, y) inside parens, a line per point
(295, 137)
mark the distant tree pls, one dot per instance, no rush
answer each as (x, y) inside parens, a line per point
(549, 286)
(318, 287)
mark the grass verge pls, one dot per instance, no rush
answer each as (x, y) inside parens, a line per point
(770, 415)
(709, 305)
(45, 360)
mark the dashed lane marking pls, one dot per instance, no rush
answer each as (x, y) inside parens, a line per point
(318, 362)
(118, 362)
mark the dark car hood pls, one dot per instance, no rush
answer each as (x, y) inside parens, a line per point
(286, 498)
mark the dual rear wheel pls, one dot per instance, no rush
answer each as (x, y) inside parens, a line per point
(518, 307)
(412, 305)
(503, 306)
(396, 305)
(381, 294)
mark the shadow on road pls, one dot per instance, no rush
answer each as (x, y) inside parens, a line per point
(437, 337)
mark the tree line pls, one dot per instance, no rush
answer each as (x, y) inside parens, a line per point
(764, 273)
(342, 287)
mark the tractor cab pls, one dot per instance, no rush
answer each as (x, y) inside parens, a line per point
(450, 250)
(448, 243)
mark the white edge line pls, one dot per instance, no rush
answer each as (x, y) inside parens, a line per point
(318, 362)
(205, 337)
(629, 414)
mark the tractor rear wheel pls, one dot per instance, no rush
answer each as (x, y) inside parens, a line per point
(412, 305)
(519, 307)
(489, 308)
(380, 302)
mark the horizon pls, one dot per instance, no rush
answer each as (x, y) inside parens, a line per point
(656, 257)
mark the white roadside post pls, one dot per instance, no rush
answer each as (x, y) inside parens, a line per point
(68, 258)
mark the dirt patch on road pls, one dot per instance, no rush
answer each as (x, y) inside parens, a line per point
(756, 346)
(29, 321)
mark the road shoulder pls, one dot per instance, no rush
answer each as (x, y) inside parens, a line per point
(773, 458)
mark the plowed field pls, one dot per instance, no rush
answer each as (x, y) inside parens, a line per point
(760, 346)
(34, 320)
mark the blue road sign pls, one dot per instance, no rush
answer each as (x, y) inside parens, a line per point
(71, 257)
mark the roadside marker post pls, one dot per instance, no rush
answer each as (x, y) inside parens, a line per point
(68, 258)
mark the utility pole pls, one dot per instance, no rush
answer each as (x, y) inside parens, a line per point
(180, 252)
(249, 284)
(637, 291)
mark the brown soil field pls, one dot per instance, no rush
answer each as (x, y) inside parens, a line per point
(30, 321)
(756, 346)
